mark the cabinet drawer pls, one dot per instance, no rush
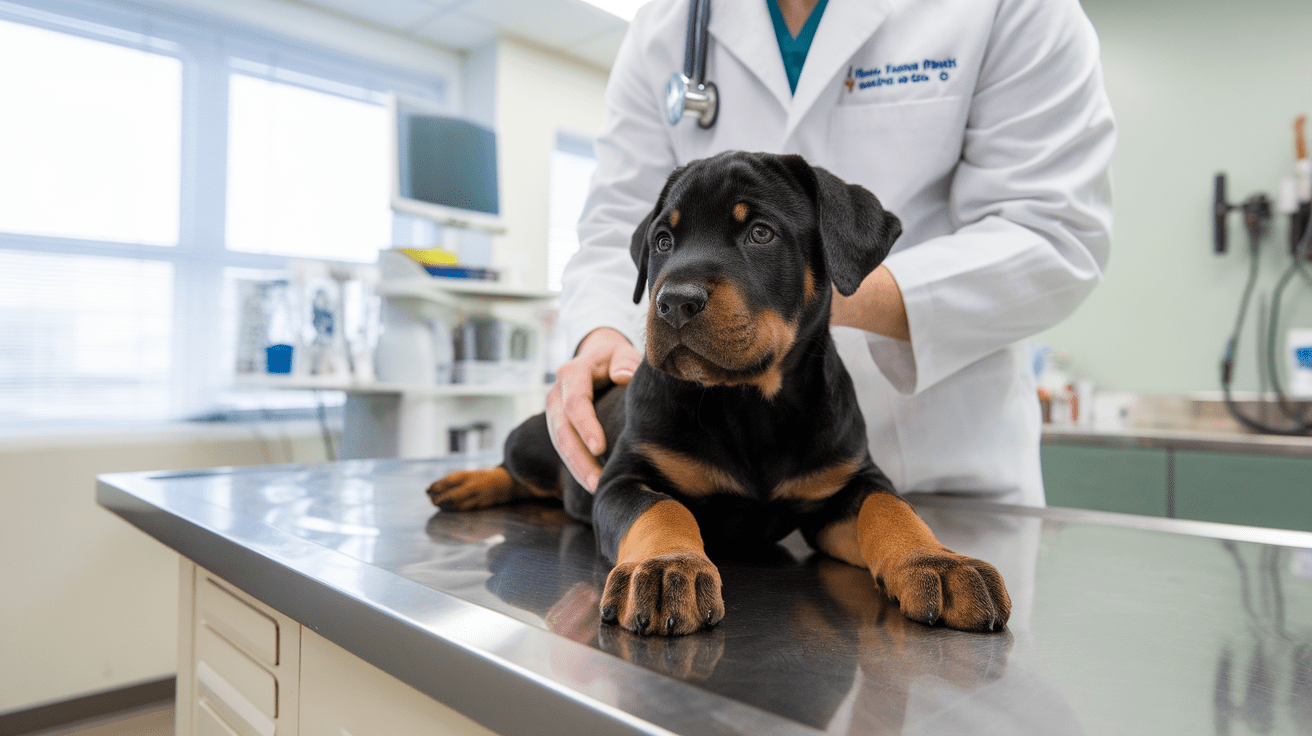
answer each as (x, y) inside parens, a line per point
(238, 621)
(238, 688)
(208, 723)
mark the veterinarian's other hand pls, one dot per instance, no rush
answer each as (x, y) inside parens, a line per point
(604, 357)
(876, 307)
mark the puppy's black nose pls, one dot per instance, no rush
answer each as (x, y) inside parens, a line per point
(678, 303)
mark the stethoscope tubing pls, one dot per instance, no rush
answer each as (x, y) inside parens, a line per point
(690, 45)
(701, 14)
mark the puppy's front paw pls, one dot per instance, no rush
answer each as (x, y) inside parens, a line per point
(958, 591)
(671, 594)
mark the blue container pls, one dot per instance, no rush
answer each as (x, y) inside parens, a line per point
(279, 358)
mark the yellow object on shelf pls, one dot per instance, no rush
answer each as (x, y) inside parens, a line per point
(431, 256)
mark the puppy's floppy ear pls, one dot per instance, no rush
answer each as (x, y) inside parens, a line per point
(856, 231)
(639, 249)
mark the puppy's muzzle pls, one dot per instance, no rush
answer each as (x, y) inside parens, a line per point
(677, 304)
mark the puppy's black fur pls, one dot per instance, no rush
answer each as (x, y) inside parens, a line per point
(741, 425)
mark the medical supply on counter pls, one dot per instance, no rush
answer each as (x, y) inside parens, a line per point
(339, 318)
(406, 351)
(264, 321)
(1298, 348)
(493, 351)
(1062, 401)
(431, 256)
(319, 319)
(278, 358)
(409, 263)
(1114, 410)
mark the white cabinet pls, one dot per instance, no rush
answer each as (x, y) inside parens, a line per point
(238, 661)
(245, 669)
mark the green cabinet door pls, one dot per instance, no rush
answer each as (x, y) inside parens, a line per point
(1244, 489)
(1128, 480)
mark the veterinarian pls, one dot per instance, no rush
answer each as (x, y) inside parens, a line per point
(983, 124)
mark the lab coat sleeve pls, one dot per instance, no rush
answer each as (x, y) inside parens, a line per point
(635, 155)
(1030, 200)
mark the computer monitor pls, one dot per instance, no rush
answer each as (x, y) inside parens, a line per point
(444, 167)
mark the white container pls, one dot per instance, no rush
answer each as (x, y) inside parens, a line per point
(405, 352)
(1084, 403)
(1114, 410)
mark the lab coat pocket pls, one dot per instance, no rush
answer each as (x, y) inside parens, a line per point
(898, 150)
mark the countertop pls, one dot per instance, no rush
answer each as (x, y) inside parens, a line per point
(1181, 438)
(1121, 624)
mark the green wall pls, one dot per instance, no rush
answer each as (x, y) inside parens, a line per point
(1197, 88)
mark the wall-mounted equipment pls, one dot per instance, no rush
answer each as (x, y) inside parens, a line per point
(1257, 213)
(1257, 216)
(444, 168)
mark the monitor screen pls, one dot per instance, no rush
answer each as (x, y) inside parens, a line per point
(446, 168)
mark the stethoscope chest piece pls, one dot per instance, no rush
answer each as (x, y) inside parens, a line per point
(689, 91)
(681, 97)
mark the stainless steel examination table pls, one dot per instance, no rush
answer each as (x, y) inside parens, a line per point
(1121, 624)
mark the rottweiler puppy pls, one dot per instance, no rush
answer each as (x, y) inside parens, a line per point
(741, 425)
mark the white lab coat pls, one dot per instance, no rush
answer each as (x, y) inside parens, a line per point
(995, 158)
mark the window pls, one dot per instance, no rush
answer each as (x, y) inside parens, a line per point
(76, 344)
(307, 172)
(90, 138)
(572, 164)
(144, 159)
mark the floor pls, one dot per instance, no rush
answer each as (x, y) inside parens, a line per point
(150, 720)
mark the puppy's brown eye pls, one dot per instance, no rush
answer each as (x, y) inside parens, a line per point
(762, 234)
(664, 242)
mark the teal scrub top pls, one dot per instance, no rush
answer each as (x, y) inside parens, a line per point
(794, 49)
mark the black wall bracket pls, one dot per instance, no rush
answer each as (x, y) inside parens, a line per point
(1257, 216)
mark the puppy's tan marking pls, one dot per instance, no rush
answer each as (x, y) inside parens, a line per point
(738, 339)
(664, 528)
(740, 212)
(808, 285)
(775, 337)
(691, 476)
(674, 218)
(819, 485)
(839, 540)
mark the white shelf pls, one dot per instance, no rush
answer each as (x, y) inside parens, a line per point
(376, 387)
(445, 289)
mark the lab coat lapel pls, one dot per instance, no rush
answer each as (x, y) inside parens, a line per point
(744, 28)
(845, 26)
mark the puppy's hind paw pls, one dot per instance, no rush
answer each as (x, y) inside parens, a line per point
(466, 490)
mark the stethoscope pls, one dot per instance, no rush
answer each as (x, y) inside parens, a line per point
(689, 91)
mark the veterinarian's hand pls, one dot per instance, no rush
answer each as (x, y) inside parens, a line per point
(604, 357)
